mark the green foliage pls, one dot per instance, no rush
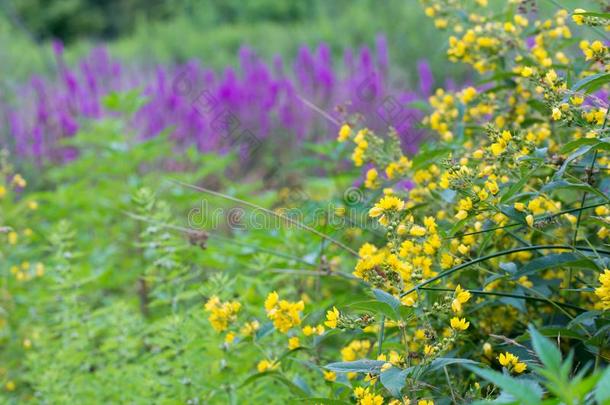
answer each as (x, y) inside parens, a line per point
(562, 385)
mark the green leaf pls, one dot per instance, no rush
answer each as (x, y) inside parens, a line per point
(358, 366)
(389, 299)
(376, 307)
(592, 83)
(570, 146)
(394, 379)
(602, 390)
(525, 391)
(295, 389)
(568, 259)
(517, 186)
(563, 184)
(424, 157)
(548, 353)
(441, 362)
(585, 317)
(324, 401)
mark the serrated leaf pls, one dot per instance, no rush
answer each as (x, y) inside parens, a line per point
(546, 351)
(525, 391)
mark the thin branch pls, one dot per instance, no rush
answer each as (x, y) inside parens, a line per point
(270, 212)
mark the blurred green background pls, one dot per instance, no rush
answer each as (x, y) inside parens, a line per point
(212, 31)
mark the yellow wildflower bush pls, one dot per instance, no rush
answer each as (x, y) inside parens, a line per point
(496, 230)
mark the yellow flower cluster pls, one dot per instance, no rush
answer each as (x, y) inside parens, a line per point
(511, 362)
(25, 271)
(221, 313)
(284, 314)
(603, 291)
(355, 350)
(364, 396)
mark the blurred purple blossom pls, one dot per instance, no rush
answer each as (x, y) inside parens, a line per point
(264, 99)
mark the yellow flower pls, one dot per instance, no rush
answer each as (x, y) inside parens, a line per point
(578, 19)
(330, 375)
(332, 318)
(10, 386)
(551, 77)
(492, 186)
(33, 205)
(12, 238)
(221, 313)
(417, 230)
(284, 314)
(425, 402)
(2, 191)
(266, 365)
(460, 297)
(387, 203)
(371, 178)
(366, 397)
(497, 148)
(603, 291)
(249, 328)
(511, 362)
(527, 71)
(294, 343)
(556, 114)
(462, 214)
(530, 220)
(577, 100)
(459, 323)
(440, 23)
(487, 349)
(344, 133)
(519, 206)
(229, 338)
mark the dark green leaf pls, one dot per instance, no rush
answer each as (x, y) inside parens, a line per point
(568, 259)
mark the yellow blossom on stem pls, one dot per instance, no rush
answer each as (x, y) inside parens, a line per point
(511, 362)
(330, 376)
(267, 365)
(284, 314)
(603, 291)
(332, 318)
(460, 297)
(344, 133)
(293, 343)
(459, 323)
